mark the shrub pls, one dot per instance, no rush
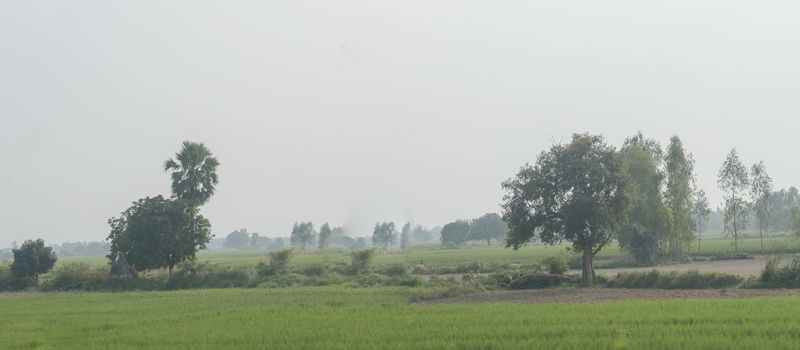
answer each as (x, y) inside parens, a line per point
(405, 281)
(191, 275)
(729, 256)
(361, 259)
(6, 278)
(774, 276)
(556, 265)
(278, 263)
(315, 269)
(77, 276)
(674, 280)
(396, 270)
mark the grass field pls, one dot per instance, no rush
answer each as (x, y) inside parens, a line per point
(338, 317)
(485, 254)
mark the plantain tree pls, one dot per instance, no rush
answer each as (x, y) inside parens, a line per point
(575, 193)
(193, 172)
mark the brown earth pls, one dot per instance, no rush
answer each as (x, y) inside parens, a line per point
(744, 267)
(596, 295)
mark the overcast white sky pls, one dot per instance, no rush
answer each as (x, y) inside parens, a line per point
(357, 111)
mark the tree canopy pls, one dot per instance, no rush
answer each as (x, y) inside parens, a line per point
(575, 192)
(488, 227)
(302, 235)
(456, 232)
(193, 172)
(157, 232)
(32, 258)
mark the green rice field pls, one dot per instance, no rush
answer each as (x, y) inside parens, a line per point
(382, 318)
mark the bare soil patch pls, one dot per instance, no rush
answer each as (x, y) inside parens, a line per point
(745, 267)
(596, 295)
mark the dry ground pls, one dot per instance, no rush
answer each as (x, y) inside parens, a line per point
(744, 268)
(595, 295)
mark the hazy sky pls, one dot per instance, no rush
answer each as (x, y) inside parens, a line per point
(357, 111)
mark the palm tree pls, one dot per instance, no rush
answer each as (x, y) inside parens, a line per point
(193, 172)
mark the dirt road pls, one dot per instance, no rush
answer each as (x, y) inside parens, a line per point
(744, 268)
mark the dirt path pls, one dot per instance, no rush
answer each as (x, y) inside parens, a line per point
(744, 268)
(596, 295)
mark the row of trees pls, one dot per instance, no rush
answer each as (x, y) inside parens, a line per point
(588, 193)
(485, 228)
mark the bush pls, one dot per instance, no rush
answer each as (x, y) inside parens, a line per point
(361, 259)
(278, 263)
(77, 276)
(396, 270)
(729, 256)
(674, 280)
(6, 278)
(774, 276)
(405, 281)
(556, 265)
(191, 275)
(315, 269)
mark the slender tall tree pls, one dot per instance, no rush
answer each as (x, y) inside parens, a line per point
(324, 236)
(680, 174)
(193, 172)
(733, 179)
(405, 236)
(700, 213)
(760, 192)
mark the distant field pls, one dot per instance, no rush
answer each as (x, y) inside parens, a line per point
(381, 318)
(486, 254)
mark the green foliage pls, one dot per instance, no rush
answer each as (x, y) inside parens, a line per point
(556, 265)
(648, 218)
(776, 276)
(760, 191)
(674, 280)
(158, 232)
(32, 258)
(680, 174)
(6, 277)
(191, 275)
(324, 236)
(794, 221)
(238, 239)
(278, 263)
(360, 260)
(384, 235)
(405, 237)
(521, 278)
(543, 200)
(78, 276)
(733, 179)
(302, 235)
(488, 227)
(455, 232)
(193, 172)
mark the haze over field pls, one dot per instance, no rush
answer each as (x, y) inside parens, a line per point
(353, 111)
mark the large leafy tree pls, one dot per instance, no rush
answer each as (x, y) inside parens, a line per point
(193, 172)
(456, 232)
(158, 232)
(324, 236)
(648, 217)
(238, 239)
(733, 180)
(32, 258)
(488, 227)
(575, 192)
(760, 192)
(302, 235)
(680, 175)
(384, 234)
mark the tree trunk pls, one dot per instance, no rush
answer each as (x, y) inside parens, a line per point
(488, 241)
(587, 274)
(170, 270)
